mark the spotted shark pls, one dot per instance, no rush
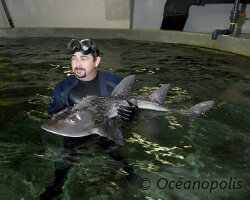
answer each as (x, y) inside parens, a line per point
(93, 114)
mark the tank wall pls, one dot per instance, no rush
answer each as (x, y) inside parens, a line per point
(3, 20)
(148, 14)
(65, 13)
(215, 16)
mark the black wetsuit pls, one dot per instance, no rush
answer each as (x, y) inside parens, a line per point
(103, 85)
(86, 88)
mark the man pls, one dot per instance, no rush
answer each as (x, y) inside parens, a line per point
(87, 80)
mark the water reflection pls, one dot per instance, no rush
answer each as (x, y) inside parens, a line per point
(161, 153)
(173, 122)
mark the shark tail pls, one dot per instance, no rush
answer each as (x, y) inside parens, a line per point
(200, 108)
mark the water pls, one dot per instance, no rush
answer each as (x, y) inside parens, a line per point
(160, 147)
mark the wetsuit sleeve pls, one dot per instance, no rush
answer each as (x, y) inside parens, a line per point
(57, 102)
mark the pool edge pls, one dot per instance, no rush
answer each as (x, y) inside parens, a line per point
(231, 44)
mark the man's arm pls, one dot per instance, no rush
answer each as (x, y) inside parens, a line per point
(126, 113)
(57, 102)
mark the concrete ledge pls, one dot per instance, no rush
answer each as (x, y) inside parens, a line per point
(225, 43)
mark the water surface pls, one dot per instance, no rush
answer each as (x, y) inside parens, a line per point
(160, 146)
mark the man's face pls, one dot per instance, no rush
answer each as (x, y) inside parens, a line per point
(84, 66)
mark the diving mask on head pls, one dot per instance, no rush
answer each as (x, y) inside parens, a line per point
(85, 46)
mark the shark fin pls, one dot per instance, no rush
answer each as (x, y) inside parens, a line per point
(124, 87)
(160, 94)
(198, 109)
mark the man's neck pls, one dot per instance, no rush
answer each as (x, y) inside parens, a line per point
(90, 77)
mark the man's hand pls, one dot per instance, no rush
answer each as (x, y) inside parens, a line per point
(129, 113)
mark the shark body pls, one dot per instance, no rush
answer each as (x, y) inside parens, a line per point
(93, 115)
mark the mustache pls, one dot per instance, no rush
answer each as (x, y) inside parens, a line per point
(79, 68)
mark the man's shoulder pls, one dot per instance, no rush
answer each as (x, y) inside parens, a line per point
(66, 82)
(109, 76)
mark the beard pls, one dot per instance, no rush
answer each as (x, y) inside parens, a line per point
(80, 72)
